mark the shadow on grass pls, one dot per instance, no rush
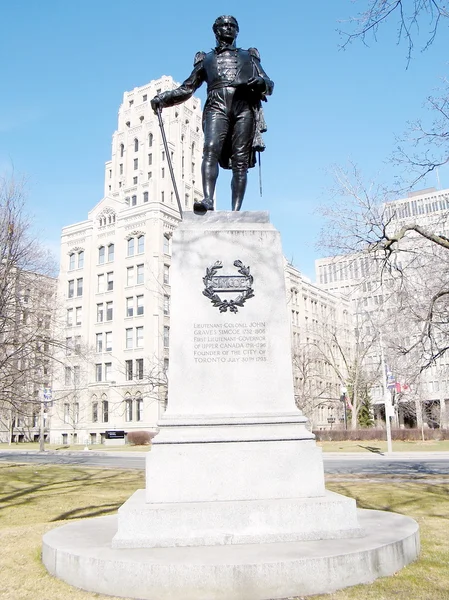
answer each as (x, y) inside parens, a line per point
(373, 449)
(30, 485)
(87, 512)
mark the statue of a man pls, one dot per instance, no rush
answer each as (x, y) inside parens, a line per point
(232, 117)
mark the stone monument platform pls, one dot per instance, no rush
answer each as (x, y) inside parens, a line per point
(235, 504)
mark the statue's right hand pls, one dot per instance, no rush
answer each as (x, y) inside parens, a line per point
(156, 104)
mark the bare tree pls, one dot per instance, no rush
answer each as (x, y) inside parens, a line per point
(411, 16)
(27, 298)
(410, 259)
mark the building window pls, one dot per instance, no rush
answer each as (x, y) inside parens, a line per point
(69, 317)
(100, 313)
(105, 411)
(76, 375)
(162, 197)
(110, 281)
(128, 370)
(166, 336)
(109, 311)
(110, 252)
(150, 175)
(144, 98)
(139, 368)
(129, 338)
(130, 276)
(101, 255)
(140, 274)
(135, 183)
(100, 283)
(108, 371)
(139, 305)
(129, 307)
(171, 197)
(99, 342)
(68, 376)
(166, 245)
(71, 261)
(139, 337)
(121, 169)
(129, 409)
(162, 173)
(108, 341)
(77, 344)
(80, 259)
(136, 164)
(79, 287)
(145, 196)
(133, 200)
(150, 140)
(71, 289)
(122, 150)
(186, 200)
(78, 315)
(139, 409)
(136, 145)
(166, 305)
(130, 247)
(66, 412)
(98, 372)
(140, 244)
(150, 159)
(163, 156)
(166, 274)
(94, 412)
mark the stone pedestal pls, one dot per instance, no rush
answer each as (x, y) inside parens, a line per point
(233, 460)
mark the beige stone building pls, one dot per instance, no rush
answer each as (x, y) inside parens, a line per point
(114, 282)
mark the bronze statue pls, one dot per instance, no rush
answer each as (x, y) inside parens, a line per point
(232, 118)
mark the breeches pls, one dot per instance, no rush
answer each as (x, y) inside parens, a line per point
(228, 125)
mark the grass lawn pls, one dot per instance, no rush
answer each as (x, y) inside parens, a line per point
(75, 447)
(381, 446)
(36, 498)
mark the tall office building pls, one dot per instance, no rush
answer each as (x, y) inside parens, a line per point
(114, 283)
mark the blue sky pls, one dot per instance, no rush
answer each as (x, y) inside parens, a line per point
(65, 66)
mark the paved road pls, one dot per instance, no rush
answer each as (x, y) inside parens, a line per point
(369, 464)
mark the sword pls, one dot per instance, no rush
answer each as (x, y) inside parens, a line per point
(167, 154)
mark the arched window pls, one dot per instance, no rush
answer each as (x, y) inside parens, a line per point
(122, 149)
(80, 259)
(101, 255)
(110, 252)
(140, 244)
(145, 196)
(128, 408)
(130, 247)
(104, 409)
(71, 261)
(136, 144)
(150, 140)
(133, 200)
(139, 407)
(94, 409)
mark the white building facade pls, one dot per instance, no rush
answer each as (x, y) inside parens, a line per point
(114, 283)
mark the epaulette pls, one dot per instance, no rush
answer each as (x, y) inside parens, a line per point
(254, 52)
(198, 58)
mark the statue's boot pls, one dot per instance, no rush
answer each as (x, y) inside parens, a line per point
(202, 206)
(238, 188)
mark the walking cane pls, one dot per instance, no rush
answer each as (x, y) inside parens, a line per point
(167, 154)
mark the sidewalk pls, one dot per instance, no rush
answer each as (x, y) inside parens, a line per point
(430, 455)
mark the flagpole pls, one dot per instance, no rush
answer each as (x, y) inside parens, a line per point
(387, 397)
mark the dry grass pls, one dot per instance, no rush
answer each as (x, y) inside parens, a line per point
(36, 498)
(377, 446)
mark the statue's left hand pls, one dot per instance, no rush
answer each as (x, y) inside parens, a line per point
(257, 84)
